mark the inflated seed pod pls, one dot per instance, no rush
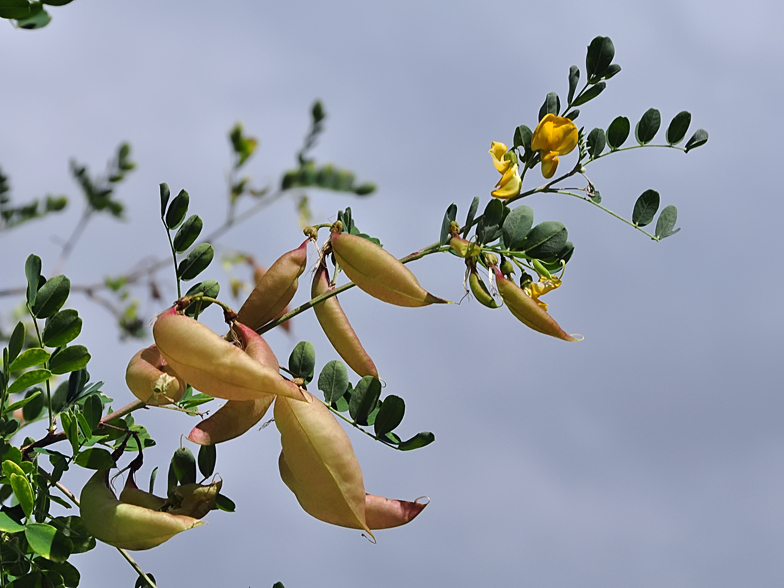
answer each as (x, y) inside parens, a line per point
(237, 416)
(123, 525)
(526, 310)
(275, 289)
(384, 513)
(151, 380)
(338, 330)
(479, 290)
(378, 273)
(213, 365)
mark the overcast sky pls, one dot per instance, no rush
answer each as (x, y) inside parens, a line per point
(648, 455)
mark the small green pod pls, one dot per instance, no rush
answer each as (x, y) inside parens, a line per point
(480, 291)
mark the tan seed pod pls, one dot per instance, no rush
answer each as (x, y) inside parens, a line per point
(385, 513)
(151, 380)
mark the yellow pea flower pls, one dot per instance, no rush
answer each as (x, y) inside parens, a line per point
(510, 182)
(540, 288)
(554, 136)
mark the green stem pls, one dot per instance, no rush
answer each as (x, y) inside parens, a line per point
(608, 211)
(630, 147)
(174, 259)
(46, 365)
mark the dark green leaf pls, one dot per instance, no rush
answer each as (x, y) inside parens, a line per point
(48, 542)
(516, 226)
(14, 8)
(76, 383)
(545, 240)
(188, 233)
(16, 342)
(69, 574)
(9, 525)
(33, 273)
(278, 585)
(95, 458)
(574, 78)
(37, 19)
(449, 216)
(700, 137)
(225, 503)
(208, 455)
(645, 208)
(184, 464)
(678, 127)
(28, 379)
(69, 359)
(551, 105)
(565, 254)
(666, 222)
(489, 227)
(71, 430)
(165, 194)
(92, 411)
(648, 126)
(153, 475)
(333, 381)
(73, 528)
(596, 142)
(35, 405)
(618, 132)
(29, 358)
(471, 214)
(302, 361)
(600, 54)
(51, 296)
(142, 583)
(23, 402)
(522, 138)
(62, 328)
(177, 210)
(364, 399)
(390, 416)
(573, 114)
(611, 71)
(196, 261)
(417, 441)
(589, 94)
(57, 2)
(209, 288)
(23, 493)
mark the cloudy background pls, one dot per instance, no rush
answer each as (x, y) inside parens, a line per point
(648, 455)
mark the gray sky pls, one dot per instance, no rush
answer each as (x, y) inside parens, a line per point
(648, 455)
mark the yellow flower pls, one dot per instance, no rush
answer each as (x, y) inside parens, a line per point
(510, 182)
(540, 288)
(554, 136)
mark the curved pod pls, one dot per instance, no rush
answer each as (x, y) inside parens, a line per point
(151, 380)
(338, 330)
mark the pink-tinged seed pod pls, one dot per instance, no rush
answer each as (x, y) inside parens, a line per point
(213, 365)
(338, 330)
(378, 273)
(131, 494)
(318, 464)
(237, 416)
(275, 289)
(526, 310)
(258, 273)
(384, 513)
(151, 380)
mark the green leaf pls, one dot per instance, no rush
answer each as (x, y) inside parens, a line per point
(48, 542)
(188, 233)
(666, 222)
(62, 328)
(678, 127)
(302, 361)
(600, 54)
(69, 359)
(574, 79)
(596, 142)
(225, 503)
(92, 411)
(611, 71)
(196, 262)
(14, 8)
(333, 381)
(21, 403)
(35, 405)
(522, 138)
(489, 227)
(648, 126)
(449, 216)
(545, 240)
(417, 441)
(516, 225)
(551, 105)
(29, 358)
(177, 210)
(364, 399)
(590, 94)
(9, 525)
(618, 132)
(184, 464)
(37, 19)
(700, 137)
(209, 288)
(69, 574)
(208, 455)
(390, 416)
(142, 583)
(165, 194)
(73, 528)
(33, 273)
(57, 2)
(471, 214)
(71, 430)
(16, 342)
(95, 458)
(23, 493)
(28, 379)
(645, 208)
(153, 475)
